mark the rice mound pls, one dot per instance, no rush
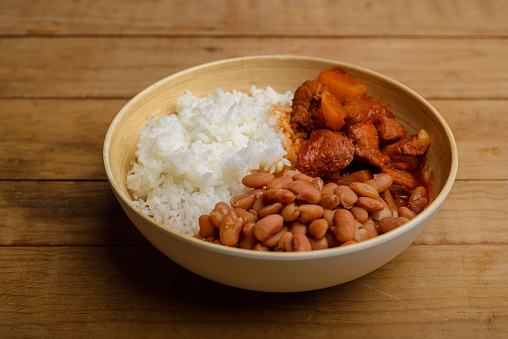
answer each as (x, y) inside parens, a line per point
(187, 162)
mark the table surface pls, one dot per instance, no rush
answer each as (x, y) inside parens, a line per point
(72, 264)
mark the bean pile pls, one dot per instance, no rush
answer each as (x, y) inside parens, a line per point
(295, 212)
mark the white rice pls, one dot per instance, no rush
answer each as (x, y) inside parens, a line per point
(187, 162)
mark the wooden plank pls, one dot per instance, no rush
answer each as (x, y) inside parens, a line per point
(86, 213)
(121, 67)
(230, 17)
(438, 291)
(63, 139)
(63, 213)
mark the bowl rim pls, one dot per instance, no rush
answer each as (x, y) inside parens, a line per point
(330, 252)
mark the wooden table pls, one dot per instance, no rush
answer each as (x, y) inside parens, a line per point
(72, 264)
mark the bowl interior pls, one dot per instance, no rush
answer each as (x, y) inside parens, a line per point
(281, 73)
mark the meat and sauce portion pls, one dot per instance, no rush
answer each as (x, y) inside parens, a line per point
(357, 174)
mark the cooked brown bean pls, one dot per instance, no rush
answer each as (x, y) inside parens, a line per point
(211, 239)
(344, 225)
(310, 212)
(350, 242)
(280, 182)
(329, 188)
(257, 180)
(270, 209)
(385, 212)
(247, 238)
(381, 182)
(317, 228)
(318, 183)
(258, 204)
(248, 216)
(301, 176)
(360, 213)
(304, 191)
(260, 247)
(258, 192)
(390, 223)
(346, 196)
(243, 201)
(320, 244)
(290, 212)
(363, 190)
(361, 234)
(332, 240)
(329, 200)
(406, 212)
(418, 192)
(370, 226)
(220, 210)
(328, 216)
(301, 243)
(370, 204)
(230, 228)
(267, 226)
(278, 195)
(206, 226)
(285, 243)
(418, 205)
(273, 240)
(298, 227)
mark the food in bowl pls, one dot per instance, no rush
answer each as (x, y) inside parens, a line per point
(344, 150)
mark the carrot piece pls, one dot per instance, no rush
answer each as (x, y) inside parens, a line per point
(341, 85)
(332, 110)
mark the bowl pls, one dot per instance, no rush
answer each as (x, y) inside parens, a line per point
(276, 271)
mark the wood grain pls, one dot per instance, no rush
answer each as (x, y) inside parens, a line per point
(280, 18)
(121, 67)
(119, 291)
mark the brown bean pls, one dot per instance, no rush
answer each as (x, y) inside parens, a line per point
(258, 192)
(344, 225)
(248, 216)
(285, 243)
(278, 195)
(350, 242)
(363, 190)
(320, 244)
(280, 182)
(329, 200)
(360, 213)
(257, 180)
(304, 191)
(298, 227)
(361, 234)
(301, 176)
(270, 209)
(206, 226)
(370, 204)
(243, 201)
(258, 204)
(267, 226)
(318, 183)
(230, 228)
(220, 210)
(211, 239)
(381, 182)
(301, 243)
(418, 192)
(273, 240)
(371, 229)
(418, 205)
(290, 212)
(346, 196)
(385, 212)
(247, 238)
(317, 228)
(332, 240)
(329, 188)
(310, 212)
(328, 216)
(391, 223)
(406, 212)
(260, 247)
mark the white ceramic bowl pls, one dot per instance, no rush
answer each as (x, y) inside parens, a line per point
(275, 271)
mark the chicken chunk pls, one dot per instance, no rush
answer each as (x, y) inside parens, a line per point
(366, 141)
(325, 152)
(405, 154)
